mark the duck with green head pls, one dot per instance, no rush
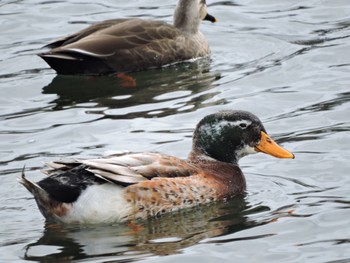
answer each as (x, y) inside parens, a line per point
(125, 187)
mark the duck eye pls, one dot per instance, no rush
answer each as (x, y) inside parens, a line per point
(243, 125)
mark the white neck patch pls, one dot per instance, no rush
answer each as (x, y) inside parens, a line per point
(245, 151)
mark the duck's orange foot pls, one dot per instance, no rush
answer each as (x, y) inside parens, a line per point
(127, 81)
(280, 214)
(288, 212)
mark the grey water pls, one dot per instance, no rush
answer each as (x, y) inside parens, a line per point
(288, 62)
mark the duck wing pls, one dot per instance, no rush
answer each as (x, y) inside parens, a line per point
(129, 168)
(83, 33)
(126, 45)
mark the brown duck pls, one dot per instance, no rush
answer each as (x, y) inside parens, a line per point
(139, 185)
(124, 45)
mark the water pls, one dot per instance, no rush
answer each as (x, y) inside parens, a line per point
(286, 61)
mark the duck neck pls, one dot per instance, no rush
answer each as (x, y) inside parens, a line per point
(187, 16)
(225, 153)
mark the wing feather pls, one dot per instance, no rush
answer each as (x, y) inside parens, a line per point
(115, 178)
(112, 38)
(83, 33)
(112, 168)
(129, 168)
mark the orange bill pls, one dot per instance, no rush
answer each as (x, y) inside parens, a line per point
(269, 146)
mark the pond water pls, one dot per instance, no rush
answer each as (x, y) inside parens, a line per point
(286, 61)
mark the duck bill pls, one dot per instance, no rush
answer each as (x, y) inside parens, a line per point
(269, 146)
(210, 18)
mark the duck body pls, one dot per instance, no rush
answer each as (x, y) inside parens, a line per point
(122, 45)
(125, 187)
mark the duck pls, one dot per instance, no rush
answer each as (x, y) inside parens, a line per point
(132, 44)
(136, 186)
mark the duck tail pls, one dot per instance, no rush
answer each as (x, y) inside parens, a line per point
(41, 196)
(50, 208)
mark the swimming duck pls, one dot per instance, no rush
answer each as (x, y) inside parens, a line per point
(122, 45)
(126, 187)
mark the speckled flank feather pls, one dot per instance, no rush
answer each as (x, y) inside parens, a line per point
(162, 195)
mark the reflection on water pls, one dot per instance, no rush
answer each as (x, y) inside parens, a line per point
(286, 61)
(189, 83)
(165, 235)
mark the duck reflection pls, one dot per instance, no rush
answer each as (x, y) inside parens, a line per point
(164, 235)
(193, 82)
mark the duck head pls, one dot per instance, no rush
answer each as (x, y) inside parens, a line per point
(227, 136)
(189, 14)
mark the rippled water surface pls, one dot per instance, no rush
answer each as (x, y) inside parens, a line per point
(286, 61)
